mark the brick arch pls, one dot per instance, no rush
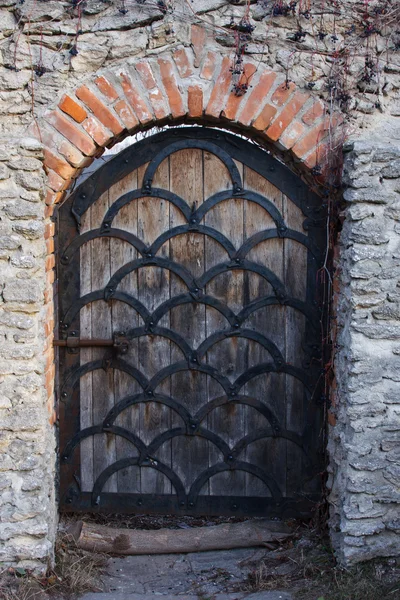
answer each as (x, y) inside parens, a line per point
(175, 87)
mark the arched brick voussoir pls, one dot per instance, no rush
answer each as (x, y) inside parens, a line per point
(177, 86)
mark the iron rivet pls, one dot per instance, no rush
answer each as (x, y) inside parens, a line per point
(65, 326)
(151, 323)
(66, 258)
(149, 393)
(193, 221)
(65, 457)
(111, 290)
(196, 290)
(191, 504)
(230, 457)
(139, 501)
(182, 503)
(237, 260)
(194, 359)
(73, 333)
(126, 161)
(149, 255)
(69, 500)
(64, 394)
(236, 324)
(107, 424)
(83, 196)
(232, 394)
(234, 506)
(193, 426)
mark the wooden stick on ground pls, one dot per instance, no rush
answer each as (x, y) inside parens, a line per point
(100, 538)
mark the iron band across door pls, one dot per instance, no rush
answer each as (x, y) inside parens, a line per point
(190, 332)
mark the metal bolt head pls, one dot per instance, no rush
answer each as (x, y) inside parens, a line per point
(64, 394)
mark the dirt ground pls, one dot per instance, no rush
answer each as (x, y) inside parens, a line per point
(303, 565)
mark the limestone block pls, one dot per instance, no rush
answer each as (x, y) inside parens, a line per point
(32, 230)
(15, 292)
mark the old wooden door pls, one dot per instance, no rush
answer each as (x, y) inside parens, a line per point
(190, 320)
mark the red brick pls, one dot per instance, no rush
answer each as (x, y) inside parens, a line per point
(50, 262)
(265, 117)
(53, 197)
(182, 62)
(311, 139)
(135, 100)
(314, 113)
(292, 134)
(58, 164)
(100, 110)
(50, 246)
(318, 157)
(199, 36)
(256, 98)
(331, 419)
(195, 101)
(72, 133)
(234, 101)
(73, 156)
(55, 182)
(126, 114)
(100, 135)
(210, 64)
(311, 160)
(174, 96)
(146, 75)
(157, 101)
(73, 109)
(283, 93)
(49, 230)
(286, 116)
(106, 88)
(48, 211)
(221, 89)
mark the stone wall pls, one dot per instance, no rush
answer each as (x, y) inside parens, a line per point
(365, 441)
(27, 441)
(74, 83)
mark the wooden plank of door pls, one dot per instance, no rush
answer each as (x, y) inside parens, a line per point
(229, 355)
(102, 388)
(125, 318)
(86, 391)
(268, 454)
(154, 351)
(295, 281)
(189, 454)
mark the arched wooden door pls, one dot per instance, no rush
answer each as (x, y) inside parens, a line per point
(191, 326)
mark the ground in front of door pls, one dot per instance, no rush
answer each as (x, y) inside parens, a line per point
(196, 576)
(300, 568)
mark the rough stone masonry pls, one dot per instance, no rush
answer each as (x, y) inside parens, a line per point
(47, 54)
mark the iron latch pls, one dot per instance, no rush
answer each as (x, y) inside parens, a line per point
(119, 341)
